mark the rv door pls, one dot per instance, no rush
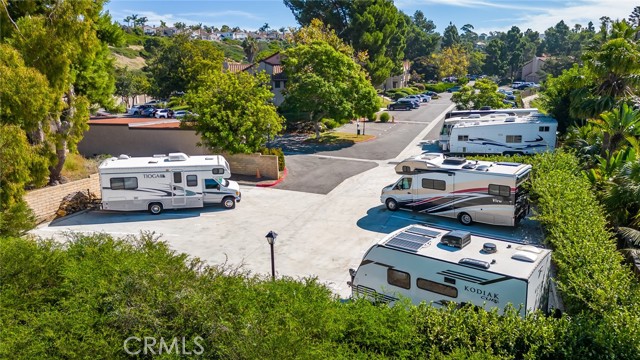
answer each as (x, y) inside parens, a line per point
(178, 193)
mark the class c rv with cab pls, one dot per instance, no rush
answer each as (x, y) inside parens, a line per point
(161, 182)
(470, 191)
(439, 267)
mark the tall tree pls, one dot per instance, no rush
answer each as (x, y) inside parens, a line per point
(179, 62)
(421, 40)
(264, 27)
(235, 111)
(634, 18)
(64, 43)
(556, 39)
(495, 63)
(450, 36)
(250, 47)
(372, 26)
(325, 83)
(514, 45)
(453, 60)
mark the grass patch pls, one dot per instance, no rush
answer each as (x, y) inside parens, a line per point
(77, 167)
(126, 52)
(339, 138)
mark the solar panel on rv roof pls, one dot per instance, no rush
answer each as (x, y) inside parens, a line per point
(423, 231)
(403, 244)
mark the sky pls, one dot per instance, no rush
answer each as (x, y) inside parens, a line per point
(484, 15)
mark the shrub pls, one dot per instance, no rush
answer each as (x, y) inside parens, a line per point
(275, 151)
(439, 87)
(372, 117)
(330, 123)
(419, 86)
(398, 95)
(384, 117)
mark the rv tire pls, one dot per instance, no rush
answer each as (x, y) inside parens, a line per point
(465, 219)
(155, 208)
(391, 204)
(229, 202)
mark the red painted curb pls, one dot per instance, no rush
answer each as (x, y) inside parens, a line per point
(284, 175)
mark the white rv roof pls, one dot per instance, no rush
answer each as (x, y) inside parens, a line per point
(427, 161)
(161, 161)
(510, 259)
(501, 120)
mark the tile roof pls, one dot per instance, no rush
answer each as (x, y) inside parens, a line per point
(132, 122)
(236, 67)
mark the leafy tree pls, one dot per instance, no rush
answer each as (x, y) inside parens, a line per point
(476, 61)
(556, 39)
(130, 84)
(453, 61)
(225, 28)
(317, 31)
(560, 95)
(76, 62)
(180, 25)
(177, 65)
(426, 68)
(495, 63)
(421, 39)
(325, 83)
(372, 26)
(514, 45)
(250, 47)
(235, 112)
(450, 36)
(484, 93)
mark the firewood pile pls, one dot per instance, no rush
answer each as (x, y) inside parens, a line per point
(78, 201)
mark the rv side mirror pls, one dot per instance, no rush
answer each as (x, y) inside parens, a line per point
(218, 186)
(352, 272)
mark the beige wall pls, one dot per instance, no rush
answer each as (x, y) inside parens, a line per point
(120, 139)
(45, 202)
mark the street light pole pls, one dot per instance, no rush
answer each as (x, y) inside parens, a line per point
(271, 239)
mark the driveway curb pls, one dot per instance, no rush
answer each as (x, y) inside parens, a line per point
(276, 182)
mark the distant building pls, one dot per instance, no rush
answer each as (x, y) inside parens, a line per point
(531, 69)
(273, 67)
(233, 35)
(398, 81)
(149, 30)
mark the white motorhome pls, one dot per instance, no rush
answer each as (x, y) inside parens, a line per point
(166, 182)
(437, 266)
(480, 191)
(499, 134)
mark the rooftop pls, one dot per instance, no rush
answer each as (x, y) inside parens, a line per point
(433, 161)
(160, 161)
(510, 259)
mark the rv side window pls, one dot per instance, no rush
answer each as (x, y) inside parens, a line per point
(434, 184)
(437, 288)
(192, 180)
(499, 190)
(544, 129)
(399, 278)
(128, 183)
(177, 177)
(210, 184)
(463, 137)
(514, 138)
(217, 171)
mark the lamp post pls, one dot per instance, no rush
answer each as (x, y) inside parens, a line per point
(271, 239)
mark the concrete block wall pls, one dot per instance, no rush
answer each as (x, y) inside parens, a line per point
(249, 164)
(45, 202)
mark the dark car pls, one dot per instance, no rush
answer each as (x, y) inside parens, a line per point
(401, 105)
(454, 89)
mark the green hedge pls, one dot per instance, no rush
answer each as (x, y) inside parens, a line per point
(439, 87)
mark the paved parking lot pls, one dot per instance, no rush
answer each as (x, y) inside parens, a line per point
(321, 233)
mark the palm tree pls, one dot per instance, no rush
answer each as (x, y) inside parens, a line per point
(250, 47)
(622, 199)
(620, 126)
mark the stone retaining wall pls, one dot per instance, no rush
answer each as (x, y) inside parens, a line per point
(45, 202)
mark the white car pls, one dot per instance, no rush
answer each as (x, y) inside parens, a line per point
(162, 113)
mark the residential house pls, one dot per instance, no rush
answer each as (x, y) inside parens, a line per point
(531, 69)
(398, 81)
(233, 35)
(273, 67)
(149, 30)
(169, 31)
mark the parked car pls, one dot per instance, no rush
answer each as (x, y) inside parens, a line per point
(425, 98)
(401, 105)
(134, 110)
(523, 86)
(433, 94)
(510, 97)
(513, 104)
(182, 113)
(163, 113)
(148, 112)
(417, 98)
(414, 102)
(454, 89)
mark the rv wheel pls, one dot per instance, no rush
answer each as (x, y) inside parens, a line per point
(155, 208)
(229, 202)
(465, 219)
(392, 205)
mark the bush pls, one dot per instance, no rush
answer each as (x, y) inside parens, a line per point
(384, 117)
(275, 151)
(330, 123)
(439, 87)
(419, 86)
(372, 117)
(398, 95)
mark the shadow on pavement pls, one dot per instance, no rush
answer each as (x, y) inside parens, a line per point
(295, 144)
(381, 220)
(110, 217)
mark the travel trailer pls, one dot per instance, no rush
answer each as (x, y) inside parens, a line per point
(498, 133)
(437, 266)
(163, 182)
(480, 191)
